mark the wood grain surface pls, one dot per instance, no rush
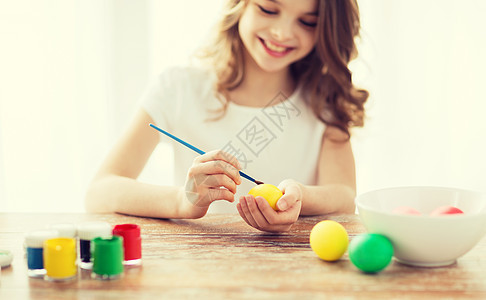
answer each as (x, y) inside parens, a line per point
(220, 257)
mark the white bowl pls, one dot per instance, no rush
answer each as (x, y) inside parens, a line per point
(422, 240)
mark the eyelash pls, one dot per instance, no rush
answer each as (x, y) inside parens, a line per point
(266, 11)
(269, 12)
(312, 25)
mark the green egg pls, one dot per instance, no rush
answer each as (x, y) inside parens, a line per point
(370, 252)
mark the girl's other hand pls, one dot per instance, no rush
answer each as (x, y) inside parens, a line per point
(213, 176)
(259, 214)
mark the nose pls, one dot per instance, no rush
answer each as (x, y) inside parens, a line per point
(281, 30)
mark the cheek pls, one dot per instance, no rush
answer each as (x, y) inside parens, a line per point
(245, 27)
(251, 23)
(308, 40)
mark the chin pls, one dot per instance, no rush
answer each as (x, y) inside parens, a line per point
(273, 68)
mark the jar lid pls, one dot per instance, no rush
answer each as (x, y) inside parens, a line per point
(127, 231)
(65, 229)
(36, 238)
(90, 230)
(6, 258)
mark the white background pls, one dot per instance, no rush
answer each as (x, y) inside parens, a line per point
(71, 73)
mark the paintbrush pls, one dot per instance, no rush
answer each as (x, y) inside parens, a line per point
(197, 150)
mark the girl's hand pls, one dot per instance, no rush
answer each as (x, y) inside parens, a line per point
(213, 176)
(260, 215)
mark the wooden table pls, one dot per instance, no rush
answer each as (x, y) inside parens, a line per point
(220, 257)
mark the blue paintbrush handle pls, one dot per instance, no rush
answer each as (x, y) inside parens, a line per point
(194, 148)
(178, 139)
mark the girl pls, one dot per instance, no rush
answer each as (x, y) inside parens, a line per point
(277, 102)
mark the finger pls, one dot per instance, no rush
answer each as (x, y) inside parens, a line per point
(255, 211)
(292, 194)
(277, 221)
(246, 212)
(208, 196)
(215, 194)
(217, 181)
(242, 214)
(219, 155)
(273, 217)
(286, 201)
(222, 167)
(267, 211)
(270, 215)
(217, 167)
(282, 185)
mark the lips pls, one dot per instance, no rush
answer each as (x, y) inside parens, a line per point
(275, 50)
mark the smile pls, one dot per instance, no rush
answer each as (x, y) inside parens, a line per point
(275, 50)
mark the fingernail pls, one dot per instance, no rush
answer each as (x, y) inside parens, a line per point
(282, 204)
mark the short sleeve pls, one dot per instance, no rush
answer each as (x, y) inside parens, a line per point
(159, 98)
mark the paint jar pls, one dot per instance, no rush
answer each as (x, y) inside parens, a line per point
(67, 230)
(34, 246)
(6, 258)
(87, 232)
(132, 243)
(107, 257)
(60, 259)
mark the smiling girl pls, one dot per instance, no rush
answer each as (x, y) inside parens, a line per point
(276, 100)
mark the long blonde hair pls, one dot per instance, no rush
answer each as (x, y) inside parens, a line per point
(323, 74)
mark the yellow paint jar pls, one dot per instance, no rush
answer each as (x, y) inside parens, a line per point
(60, 259)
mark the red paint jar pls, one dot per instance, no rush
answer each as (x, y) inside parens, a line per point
(132, 243)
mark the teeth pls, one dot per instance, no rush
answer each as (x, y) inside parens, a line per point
(274, 47)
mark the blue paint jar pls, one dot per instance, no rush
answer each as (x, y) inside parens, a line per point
(34, 242)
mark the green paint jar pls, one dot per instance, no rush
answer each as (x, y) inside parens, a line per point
(107, 256)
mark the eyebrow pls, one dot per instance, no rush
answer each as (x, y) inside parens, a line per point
(314, 13)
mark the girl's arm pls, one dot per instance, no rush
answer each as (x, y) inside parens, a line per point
(115, 188)
(336, 188)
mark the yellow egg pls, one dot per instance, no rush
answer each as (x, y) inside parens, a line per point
(329, 240)
(270, 192)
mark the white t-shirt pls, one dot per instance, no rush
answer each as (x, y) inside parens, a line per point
(279, 141)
